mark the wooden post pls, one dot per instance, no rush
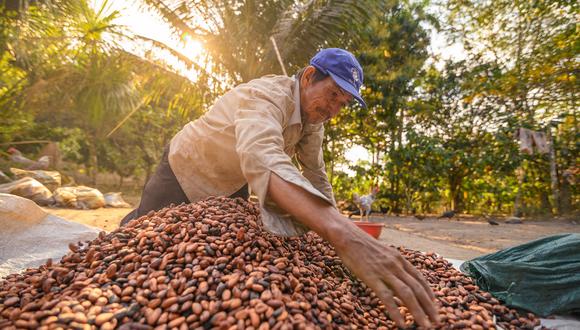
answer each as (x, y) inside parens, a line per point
(278, 55)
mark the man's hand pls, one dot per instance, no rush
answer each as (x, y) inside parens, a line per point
(381, 268)
(384, 270)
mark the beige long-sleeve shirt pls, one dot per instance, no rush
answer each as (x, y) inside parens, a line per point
(251, 131)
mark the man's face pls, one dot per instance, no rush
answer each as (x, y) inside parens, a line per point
(320, 100)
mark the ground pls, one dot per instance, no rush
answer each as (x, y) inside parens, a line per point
(467, 238)
(461, 238)
(104, 218)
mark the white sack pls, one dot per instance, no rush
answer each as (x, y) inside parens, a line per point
(114, 199)
(79, 197)
(29, 235)
(28, 188)
(51, 179)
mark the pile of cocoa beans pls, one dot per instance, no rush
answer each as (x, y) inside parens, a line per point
(211, 265)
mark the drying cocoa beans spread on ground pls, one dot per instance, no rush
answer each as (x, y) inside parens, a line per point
(211, 265)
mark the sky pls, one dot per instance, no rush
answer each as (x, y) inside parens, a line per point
(141, 22)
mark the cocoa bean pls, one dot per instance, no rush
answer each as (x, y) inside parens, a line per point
(212, 264)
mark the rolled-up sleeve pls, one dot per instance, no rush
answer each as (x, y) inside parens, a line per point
(260, 146)
(311, 159)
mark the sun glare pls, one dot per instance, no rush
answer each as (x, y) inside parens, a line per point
(192, 48)
(138, 22)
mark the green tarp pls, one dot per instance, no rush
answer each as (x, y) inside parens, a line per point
(542, 276)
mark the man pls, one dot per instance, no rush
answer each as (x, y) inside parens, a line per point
(250, 136)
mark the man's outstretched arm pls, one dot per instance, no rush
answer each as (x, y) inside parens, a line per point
(381, 268)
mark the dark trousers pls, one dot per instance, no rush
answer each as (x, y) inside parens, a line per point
(163, 189)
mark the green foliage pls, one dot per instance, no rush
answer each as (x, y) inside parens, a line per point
(66, 79)
(532, 53)
(392, 51)
(522, 56)
(438, 137)
(444, 138)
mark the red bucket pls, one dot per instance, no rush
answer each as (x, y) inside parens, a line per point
(371, 228)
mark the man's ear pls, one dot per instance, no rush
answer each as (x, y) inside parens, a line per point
(308, 76)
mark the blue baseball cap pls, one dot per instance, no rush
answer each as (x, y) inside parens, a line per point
(344, 69)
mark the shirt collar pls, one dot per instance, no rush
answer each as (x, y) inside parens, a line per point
(296, 117)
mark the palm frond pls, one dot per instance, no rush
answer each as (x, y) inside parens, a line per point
(237, 33)
(319, 24)
(184, 59)
(177, 18)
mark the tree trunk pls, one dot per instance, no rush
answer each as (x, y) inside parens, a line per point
(331, 161)
(554, 174)
(545, 206)
(455, 191)
(93, 163)
(518, 203)
(19, 6)
(499, 206)
(392, 173)
(566, 197)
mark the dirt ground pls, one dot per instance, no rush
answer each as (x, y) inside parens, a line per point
(107, 219)
(467, 238)
(461, 238)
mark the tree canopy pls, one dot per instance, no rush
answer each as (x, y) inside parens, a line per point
(440, 134)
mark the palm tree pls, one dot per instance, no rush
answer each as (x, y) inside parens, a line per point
(73, 68)
(104, 86)
(65, 68)
(238, 33)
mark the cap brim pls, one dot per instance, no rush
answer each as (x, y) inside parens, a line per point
(349, 88)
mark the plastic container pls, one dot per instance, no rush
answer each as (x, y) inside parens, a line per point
(371, 228)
